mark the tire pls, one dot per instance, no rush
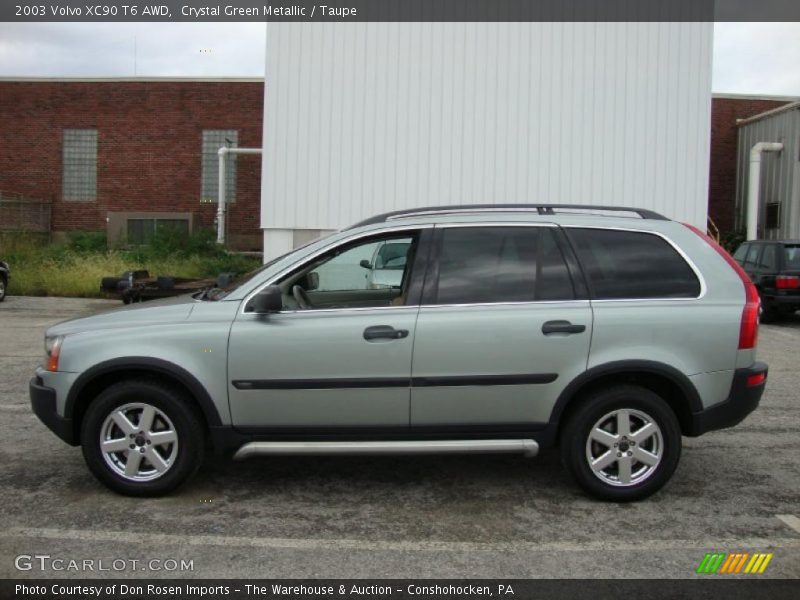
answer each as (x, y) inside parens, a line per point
(605, 410)
(174, 418)
(769, 313)
(3, 287)
(109, 284)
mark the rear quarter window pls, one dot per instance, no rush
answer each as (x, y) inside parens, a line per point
(791, 257)
(632, 265)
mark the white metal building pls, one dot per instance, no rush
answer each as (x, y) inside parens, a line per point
(363, 118)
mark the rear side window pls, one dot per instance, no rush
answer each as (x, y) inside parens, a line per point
(791, 257)
(740, 253)
(769, 258)
(632, 264)
(752, 256)
(500, 264)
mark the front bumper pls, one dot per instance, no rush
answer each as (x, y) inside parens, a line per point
(43, 403)
(742, 400)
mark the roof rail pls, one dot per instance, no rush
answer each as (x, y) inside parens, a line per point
(542, 209)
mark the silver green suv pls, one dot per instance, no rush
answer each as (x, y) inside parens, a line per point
(607, 332)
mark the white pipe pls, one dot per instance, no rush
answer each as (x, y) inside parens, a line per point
(754, 184)
(221, 197)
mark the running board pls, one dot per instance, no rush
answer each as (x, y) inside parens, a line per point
(527, 447)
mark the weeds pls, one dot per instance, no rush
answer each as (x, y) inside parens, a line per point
(76, 267)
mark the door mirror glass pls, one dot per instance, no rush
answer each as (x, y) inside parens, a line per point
(366, 264)
(269, 300)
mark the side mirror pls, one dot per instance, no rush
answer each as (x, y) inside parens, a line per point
(365, 263)
(269, 300)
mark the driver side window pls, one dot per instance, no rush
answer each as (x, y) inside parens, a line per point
(371, 273)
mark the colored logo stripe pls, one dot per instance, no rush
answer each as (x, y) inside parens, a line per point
(724, 563)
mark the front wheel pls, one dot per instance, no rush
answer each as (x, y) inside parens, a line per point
(142, 438)
(622, 444)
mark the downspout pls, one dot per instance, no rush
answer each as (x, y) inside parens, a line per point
(754, 184)
(221, 198)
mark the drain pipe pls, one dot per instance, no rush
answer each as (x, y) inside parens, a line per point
(221, 154)
(754, 184)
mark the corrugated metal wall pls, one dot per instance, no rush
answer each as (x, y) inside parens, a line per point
(365, 118)
(780, 173)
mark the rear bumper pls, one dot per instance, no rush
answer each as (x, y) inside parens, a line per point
(784, 300)
(742, 400)
(43, 403)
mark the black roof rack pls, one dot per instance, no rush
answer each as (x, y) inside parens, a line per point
(542, 209)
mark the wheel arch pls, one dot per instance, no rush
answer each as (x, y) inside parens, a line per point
(92, 381)
(668, 382)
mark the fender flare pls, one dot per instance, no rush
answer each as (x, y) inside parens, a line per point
(145, 363)
(621, 367)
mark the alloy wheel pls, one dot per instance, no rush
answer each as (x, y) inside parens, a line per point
(624, 447)
(139, 442)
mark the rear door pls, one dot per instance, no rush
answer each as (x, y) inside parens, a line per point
(502, 329)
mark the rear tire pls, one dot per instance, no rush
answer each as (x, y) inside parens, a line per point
(618, 462)
(142, 438)
(3, 286)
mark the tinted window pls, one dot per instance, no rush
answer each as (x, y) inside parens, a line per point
(500, 264)
(752, 255)
(791, 257)
(629, 264)
(740, 253)
(769, 257)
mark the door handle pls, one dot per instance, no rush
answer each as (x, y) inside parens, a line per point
(562, 327)
(384, 332)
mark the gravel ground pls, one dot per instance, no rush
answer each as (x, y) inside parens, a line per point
(479, 516)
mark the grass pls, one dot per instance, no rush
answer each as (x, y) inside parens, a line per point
(76, 267)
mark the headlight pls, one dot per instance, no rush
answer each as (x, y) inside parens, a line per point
(52, 348)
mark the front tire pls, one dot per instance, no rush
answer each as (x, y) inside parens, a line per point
(622, 443)
(142, 438)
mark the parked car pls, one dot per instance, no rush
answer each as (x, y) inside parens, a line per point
(387, 265)
(5, 275)
(774, 267)
(516, 328)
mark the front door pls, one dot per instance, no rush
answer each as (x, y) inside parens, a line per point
(501, 331)
(338, 355)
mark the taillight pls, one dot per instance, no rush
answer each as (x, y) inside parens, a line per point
(748, 329)
(787, 282)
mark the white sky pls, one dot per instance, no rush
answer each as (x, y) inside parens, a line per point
(749, 58)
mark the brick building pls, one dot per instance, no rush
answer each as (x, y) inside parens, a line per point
(127, 155)
(133, 153)
(726, 109)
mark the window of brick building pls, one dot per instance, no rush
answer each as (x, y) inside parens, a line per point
(80, 165)
(213, 140)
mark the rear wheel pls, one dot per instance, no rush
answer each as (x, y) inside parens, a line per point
(3, 285)
(622, 443)
(142, 438)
